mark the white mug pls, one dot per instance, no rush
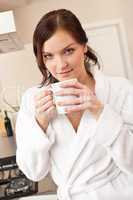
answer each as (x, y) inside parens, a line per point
(55, 87)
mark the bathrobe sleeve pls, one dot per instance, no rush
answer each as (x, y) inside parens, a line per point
(33, 144)
(115, 132)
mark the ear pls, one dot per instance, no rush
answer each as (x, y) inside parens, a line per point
(85, 48)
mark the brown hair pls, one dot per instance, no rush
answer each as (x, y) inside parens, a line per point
(47, 26)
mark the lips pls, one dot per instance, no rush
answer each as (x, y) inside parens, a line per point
(66, 71)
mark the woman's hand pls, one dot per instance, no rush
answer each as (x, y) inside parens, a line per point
(44, 107)
(86, 99)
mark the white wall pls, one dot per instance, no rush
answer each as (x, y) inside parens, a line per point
(88, 11)
(17, 70)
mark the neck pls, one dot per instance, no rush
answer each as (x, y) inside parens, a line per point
(87, 80)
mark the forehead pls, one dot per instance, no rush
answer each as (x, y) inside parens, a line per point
(58, 41)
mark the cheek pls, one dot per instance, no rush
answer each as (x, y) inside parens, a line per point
(51, 68)
(77, 60)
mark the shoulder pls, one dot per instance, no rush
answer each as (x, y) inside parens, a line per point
(122, 93)
(115, 84)
(120, 83)
(119, 93)
(31, 92)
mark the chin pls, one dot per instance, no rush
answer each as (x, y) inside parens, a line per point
(66, 78)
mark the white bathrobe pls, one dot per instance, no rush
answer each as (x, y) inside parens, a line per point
(96, 163)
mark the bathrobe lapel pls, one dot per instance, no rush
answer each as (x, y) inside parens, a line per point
(78, 141)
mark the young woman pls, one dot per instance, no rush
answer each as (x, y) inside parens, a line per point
(88, 150)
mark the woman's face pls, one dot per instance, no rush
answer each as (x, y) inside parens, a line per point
(64, 57)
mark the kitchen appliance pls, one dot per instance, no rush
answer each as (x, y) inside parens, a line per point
(9, 38)
(13, 183)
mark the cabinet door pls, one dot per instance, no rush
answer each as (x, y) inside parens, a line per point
(109, 41)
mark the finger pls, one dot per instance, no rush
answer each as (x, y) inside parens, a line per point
(45, 107)
(42, 94)
(79, 107)
(43, 101)
(75, 108)
(68, 91)
(51, 108)
(74, 101)
(75, 84)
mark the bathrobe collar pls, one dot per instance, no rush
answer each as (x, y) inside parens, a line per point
(79, 140)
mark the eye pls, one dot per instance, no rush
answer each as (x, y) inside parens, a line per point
(69, 51)
(47, 57)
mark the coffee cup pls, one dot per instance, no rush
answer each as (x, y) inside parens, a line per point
(55, 87)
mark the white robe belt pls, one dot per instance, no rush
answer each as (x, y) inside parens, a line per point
(66, 190)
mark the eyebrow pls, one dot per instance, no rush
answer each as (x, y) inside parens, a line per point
(61, 49)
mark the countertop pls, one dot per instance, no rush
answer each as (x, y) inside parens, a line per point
(7, 146)
(40, 197)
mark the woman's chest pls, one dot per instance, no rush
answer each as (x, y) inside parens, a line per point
(75, 119)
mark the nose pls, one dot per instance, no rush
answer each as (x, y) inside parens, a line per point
(61, 64)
